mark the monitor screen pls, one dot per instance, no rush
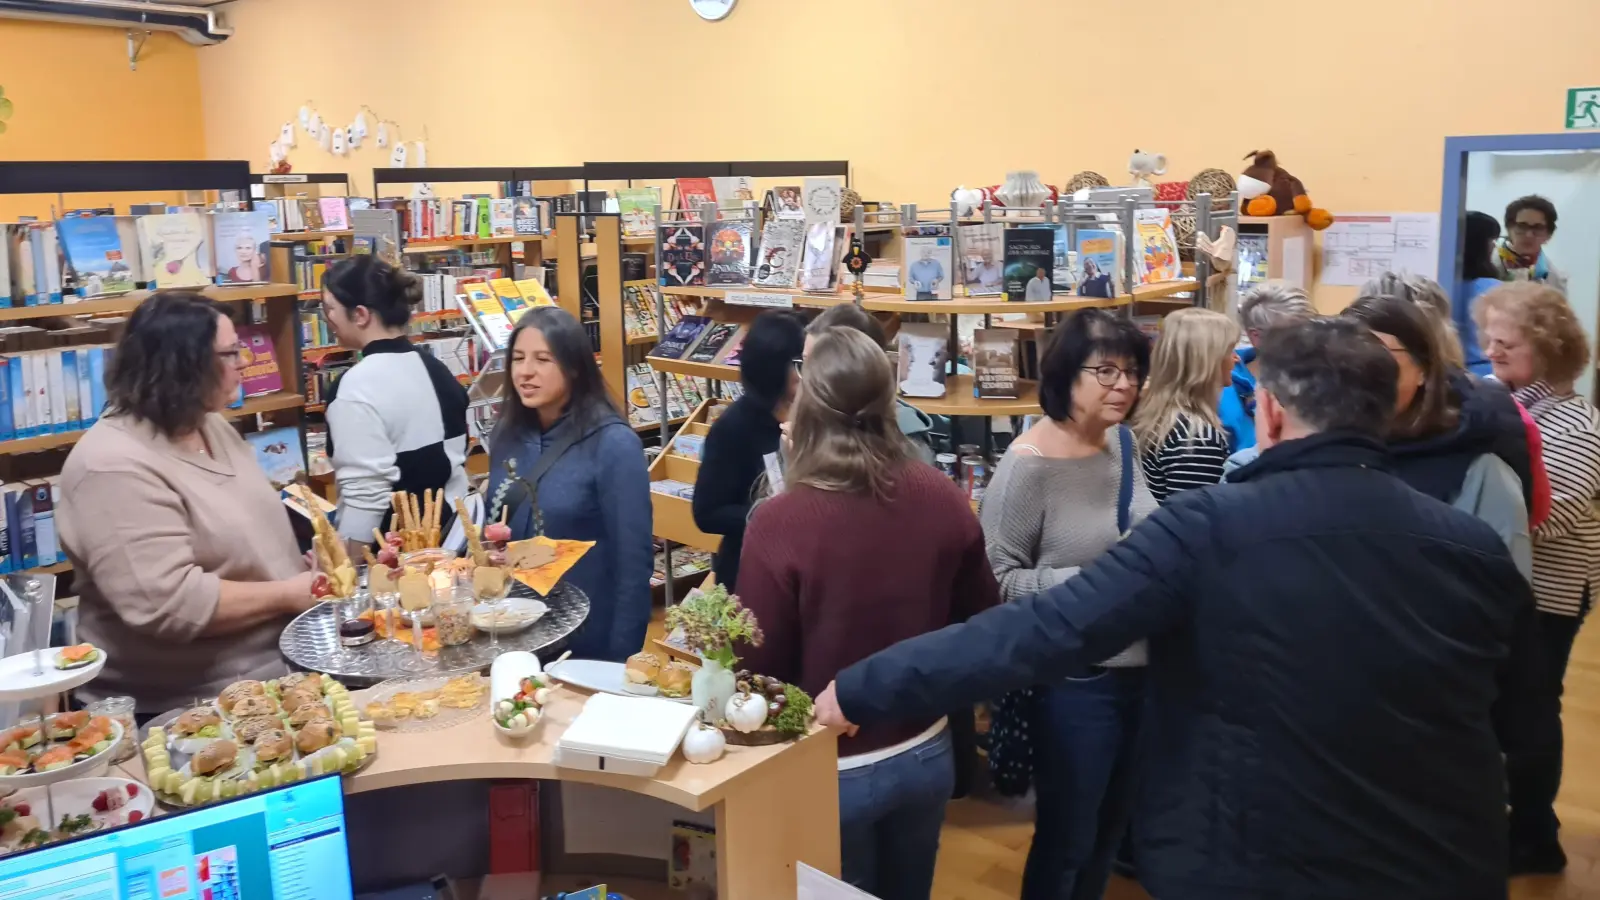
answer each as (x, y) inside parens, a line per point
(284, 844)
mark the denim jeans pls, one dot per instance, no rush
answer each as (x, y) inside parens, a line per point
(1083, 768)
(1533, 776)
(890, 814)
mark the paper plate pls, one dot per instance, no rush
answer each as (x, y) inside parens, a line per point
(597, 675)
(17, 681)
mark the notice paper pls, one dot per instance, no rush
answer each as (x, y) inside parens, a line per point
(1361, 246)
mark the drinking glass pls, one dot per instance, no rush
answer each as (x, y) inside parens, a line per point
(385, 599)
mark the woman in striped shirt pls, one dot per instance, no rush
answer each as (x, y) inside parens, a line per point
(1536, 346)
(1180, 438)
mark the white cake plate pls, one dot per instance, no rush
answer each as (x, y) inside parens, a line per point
(93, 766)
(18, 681)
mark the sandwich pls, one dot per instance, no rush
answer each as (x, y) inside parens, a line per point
(248, 730)
(675, 679)
(13, 762)
(76, 656)
(309, 712)
(296, 680)
(215, 757)
(273, 746)
(301, 696)
(22, 737)
(202, 721)
(642, 670)
(63, 726)
(54, 758)
(315, 735)
(254, 705)
(237, 691)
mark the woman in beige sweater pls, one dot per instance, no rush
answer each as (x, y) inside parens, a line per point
(187, 567)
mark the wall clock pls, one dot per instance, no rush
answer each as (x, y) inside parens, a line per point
(712, 10)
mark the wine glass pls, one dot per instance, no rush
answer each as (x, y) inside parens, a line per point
(385, 598)
(433, 561)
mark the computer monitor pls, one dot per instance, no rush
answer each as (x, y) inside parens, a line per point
(288, 842)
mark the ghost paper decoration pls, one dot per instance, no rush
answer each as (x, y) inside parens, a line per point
(276, 152)
(326, 138)
(383, 134)
(286, 134)
(419, 157)
(358, 128)
(397, 155)
(338, 141)
(352, 137)
(305, 117)
(315, 128)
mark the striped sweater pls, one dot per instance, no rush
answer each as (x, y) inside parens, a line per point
(1566, 546)
(1191, 455)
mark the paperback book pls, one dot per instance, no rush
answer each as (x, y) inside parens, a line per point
(731, 254)
(1158, 246)
(242, 240)
(683, 254)
(692, 192)
(310, 214)
(502, 217)
(525, 215)
(995, 368)
(95, 252)
(930, 259)
(335, 214)
(175, 250)
(505, 290)
(1098, 272)
(983, 259)
(677, 342)
(1030, 259)
(278, 454)
(730, 351)
(712, 343)
(819, 266)
(637, 207)
(923, 350)
(639, 310)
(786, 202)
(492, 320)
(377, 231)
(779, 256)
(735, 193)
(258, 362)
(533, 292)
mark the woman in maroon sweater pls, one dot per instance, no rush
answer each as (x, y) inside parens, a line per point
(863, 548)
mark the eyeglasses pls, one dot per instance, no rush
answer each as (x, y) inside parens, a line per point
(1108, 374)
(231, 354)
(798, 362)
(1529, 228)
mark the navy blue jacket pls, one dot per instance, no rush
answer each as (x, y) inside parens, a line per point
(1326, 645)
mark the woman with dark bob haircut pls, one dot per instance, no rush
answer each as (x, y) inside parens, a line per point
(1064, 492)
(735, 452)
(187, 567)
(560, 431)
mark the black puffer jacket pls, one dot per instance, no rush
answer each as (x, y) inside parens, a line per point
(1325, 647)
(1489, 423)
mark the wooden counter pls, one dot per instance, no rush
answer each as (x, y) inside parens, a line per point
(773, 805)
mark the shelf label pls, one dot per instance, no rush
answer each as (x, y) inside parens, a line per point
(759, 298)
(283, 179)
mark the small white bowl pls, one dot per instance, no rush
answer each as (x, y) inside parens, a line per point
(515, 733)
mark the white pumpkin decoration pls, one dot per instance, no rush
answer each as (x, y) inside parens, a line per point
(703, 744)
(746, 712)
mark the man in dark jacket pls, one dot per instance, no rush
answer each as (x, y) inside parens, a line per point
(1325, 648)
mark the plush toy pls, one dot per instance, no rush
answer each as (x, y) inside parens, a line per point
(968, 201)
(1269, 190)
(1145, 166)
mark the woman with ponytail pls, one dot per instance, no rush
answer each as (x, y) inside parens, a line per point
(861, 547)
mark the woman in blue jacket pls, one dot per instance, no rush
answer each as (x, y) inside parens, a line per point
(1478, 274)
(588, 469)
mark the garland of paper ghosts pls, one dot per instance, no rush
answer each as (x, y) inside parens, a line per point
(342, 140)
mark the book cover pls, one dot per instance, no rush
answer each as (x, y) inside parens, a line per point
(1098, 271)
(819, 264)
(510, 297)
(7, 428)
(713, 341)
(17, 396)
(86, 412)
(55, 370)
(639, 309)
(786, 202)
(310, 213)
(94, 249)
(778, 260)
(99, 357)
(692, 192)
(19, 516)
(335, 214)
(677, 342)
(47, 549)
(525, 218)
(485, 218)
(491, 314)
(735, 193)
(983, 259)
(731, 253)
(7, 249)
(69, 389)
(730, 351)
(278, 454)
(994, 352)
(503, 217)
(175, 251)
(638, 209)
(923, 348)
(930, 259)
(243, 241)
(377, 231)
(128, 234)
(39, 387)
(1030, 260)
(1158, 246)
(258, 361)
(683, 254)
(533, 292)
(692, 865)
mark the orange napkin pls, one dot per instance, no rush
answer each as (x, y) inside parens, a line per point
(544, 578)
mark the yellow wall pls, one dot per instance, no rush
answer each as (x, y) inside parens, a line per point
(75, 99)
(920, 95)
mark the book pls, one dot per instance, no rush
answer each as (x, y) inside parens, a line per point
(278, 454)
(94, 249)
(676, 343)
(731, 253)
(692, 192)
(44, 248)
(335, 214)
(128, 234)
(923, 348)
(730, 351)
(243, 241)
(7, 290)
(994, 352)
(683, 254)
(638, 209)
(377, 231)
(484, 218)
(982, 259)
(819, 262)
(258, 362)
(525, 217)
(1099, 271)
(533, 292)
(493, 321)
(711, 344)
(175, 251)
(639, 309)
(786, 202)
(692, 864)
(1030, 260)
(310, 213)
(778, 260)
(735, 193)
(509, 296)
(930, 259)
(47, 548)
(1157, 247)
(503, 217)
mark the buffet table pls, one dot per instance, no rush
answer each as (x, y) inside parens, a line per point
(773, 805)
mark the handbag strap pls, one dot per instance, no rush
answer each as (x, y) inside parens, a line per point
(1125, 491)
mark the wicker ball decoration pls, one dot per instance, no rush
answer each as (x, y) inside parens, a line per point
(1085, 179)
(1216, 182)
(848, 201)
(1183, 227)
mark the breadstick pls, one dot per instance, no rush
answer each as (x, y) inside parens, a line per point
(378, 536)
(371, 560)
(416, 514)
(474, 545)
(394, 503)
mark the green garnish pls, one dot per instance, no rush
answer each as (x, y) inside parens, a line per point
(7, 814)
(210, 731)
(36, 836)
(796, 716)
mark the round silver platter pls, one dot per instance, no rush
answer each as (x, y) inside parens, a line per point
(311, 642)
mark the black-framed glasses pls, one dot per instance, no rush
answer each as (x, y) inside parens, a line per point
(1530, 228)
(1108, 374)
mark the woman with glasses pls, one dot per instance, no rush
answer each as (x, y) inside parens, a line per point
(1064, 492)
(1530, 224)
(187, 569)
(865, 546)
(738, 447)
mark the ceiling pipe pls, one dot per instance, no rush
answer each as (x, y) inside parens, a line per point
(195, 24)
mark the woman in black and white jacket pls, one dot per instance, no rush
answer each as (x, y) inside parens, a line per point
(397, 419)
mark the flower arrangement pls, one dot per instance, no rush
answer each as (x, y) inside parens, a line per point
(712, 622)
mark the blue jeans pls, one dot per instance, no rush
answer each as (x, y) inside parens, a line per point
(1083, 766)
(890, 814)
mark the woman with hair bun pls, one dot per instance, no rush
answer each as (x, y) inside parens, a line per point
(397, 420)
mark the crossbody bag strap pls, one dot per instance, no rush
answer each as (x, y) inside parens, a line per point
(1125, 491)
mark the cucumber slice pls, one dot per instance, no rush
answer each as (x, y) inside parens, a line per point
(157, 775)
(190, 790)
(230, 788)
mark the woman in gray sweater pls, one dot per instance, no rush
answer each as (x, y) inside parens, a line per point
(1066, 491)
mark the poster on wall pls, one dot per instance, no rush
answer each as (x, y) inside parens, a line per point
(1361, 246)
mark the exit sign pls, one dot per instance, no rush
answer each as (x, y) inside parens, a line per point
(1583, 108)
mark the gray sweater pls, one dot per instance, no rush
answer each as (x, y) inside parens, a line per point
(1043, 518)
